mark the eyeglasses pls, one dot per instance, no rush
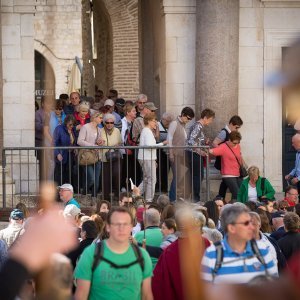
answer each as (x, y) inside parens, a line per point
(293, 194)
(189, 118)
(283, 207)
(246, 223)
(120, 225)
(140, 102)
(109, 122)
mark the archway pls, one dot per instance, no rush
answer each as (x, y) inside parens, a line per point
(44, 77)
(103, 49)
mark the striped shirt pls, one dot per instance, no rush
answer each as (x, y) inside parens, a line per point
(237, 267)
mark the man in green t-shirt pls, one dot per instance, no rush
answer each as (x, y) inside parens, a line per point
(114, 281)
(154, 236)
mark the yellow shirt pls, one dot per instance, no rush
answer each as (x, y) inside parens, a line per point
(112, 139)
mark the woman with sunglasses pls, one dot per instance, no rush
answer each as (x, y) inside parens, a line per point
(111, 174)
(231, 159)
(90, 135)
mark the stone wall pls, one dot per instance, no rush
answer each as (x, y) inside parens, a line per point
(265, 28)
(57, 36)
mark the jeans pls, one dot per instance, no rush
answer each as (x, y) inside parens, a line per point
(197, 173)
(233, 183)
(149, 178)
(92, 174)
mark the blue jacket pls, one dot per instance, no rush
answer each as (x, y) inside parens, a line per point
(53, 123)
(61, 137)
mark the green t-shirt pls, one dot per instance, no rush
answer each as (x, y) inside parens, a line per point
(154, 238)
(108, 282)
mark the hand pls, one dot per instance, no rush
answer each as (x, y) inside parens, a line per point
(295, 180)
(203, 153)
(166, 142)
(100, 142)
(133, 240)
(136, 191)
(59, 157)
(78, 127)
(287, 177)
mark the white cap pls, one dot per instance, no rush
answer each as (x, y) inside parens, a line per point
(109, 102)
(67, 186)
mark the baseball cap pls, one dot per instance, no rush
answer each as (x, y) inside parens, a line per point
(120, 102)
(109, 102)
(67, 186)
(17, 214)
(277, 214)
(150, 105)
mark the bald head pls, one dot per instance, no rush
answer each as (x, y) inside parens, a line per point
(296, 141)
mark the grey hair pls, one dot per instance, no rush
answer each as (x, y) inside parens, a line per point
(163, 200)
(213, 235)
(109, 116)
(199, 218)
(84, 105)
(151, 217)
(168, 116)
(141, 96)
(230, 214)
(255, 215)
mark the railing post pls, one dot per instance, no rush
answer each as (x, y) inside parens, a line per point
(3, 178)
(207, 178)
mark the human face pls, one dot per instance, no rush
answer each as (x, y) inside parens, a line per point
(109, 124)
(219, 203)
(65, 195)
(293, 195)
(125, 201)
(98, 119)
(165, 230)
(185, 119)
(74, 98)
(254, 178)
(234, 127)
(152, 124)
(58, 111)
(70, 125)
(83, 113)
(242, 228)
(141, 104)
(233, 143)
(120, 227)
(256, 227)
(270, 206)
(296, 142)
(132, 114)
(104, 208)
(207, 121)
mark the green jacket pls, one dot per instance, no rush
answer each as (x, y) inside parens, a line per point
(268, 191)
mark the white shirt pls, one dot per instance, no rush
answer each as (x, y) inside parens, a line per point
(147, 139)
(252, 193)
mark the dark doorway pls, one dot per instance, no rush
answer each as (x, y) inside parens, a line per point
(290, 114)
(44, 77)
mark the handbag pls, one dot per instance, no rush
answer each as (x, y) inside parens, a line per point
(112, 154)
(88, 157)
(243, 170)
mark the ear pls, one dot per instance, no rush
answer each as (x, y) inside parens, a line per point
(231, 228)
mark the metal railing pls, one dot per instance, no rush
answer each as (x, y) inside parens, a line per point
(23, 168)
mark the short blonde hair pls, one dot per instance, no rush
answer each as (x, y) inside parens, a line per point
(253, 171)
(84, 106)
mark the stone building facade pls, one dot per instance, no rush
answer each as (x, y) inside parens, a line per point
(204, 53)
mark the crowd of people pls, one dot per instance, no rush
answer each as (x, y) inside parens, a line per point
(136, 249)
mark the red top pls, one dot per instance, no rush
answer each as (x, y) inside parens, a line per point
(229, 164)
(291, 203)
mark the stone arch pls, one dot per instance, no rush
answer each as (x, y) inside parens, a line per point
(50, 62)
(122, 66)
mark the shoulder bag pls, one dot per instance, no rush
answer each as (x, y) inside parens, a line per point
(243, 170)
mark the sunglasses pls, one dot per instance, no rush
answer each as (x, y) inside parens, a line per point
(109, 122)
(142, 102)
(246, 223)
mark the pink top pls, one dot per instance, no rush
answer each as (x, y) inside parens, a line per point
(229, 164)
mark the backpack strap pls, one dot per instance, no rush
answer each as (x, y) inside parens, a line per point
(227, 135)
(258, 255)
(98, 257)
(219, 259)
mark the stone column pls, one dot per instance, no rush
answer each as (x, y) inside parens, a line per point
(178, 80)
(217, 55)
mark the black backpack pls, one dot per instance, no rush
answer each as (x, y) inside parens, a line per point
(220, 256)
(217, 164)
(98, 257)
